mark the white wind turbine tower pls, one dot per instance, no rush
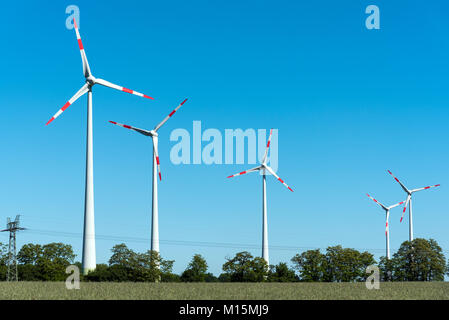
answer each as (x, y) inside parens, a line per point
(409, 203)
(387, 227)
(264, 167)
(89, 257)
(156, 168)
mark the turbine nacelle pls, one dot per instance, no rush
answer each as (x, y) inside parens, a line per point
(263, 166)
(152, 133)
(409, 193)
(91, 80)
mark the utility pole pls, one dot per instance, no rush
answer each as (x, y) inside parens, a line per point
(12, 227)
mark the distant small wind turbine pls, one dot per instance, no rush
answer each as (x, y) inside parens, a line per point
(89, 257)
(156, 168)
(387, 215)
(264, 167)
(409, 203)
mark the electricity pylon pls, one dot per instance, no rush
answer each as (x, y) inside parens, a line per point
(12, 227)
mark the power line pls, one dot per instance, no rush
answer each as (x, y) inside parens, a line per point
(188, 243)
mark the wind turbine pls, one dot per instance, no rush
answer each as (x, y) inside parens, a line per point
(264, 167)
(409, 200)
(156, 168)
(387, 215)
(89, 257)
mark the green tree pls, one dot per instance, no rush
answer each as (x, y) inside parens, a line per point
(282, 273)
(3, 259)
(338, 264)
(224, 277)
(44, 262)
(346, 265)
(121, 255)
(245, 268)
(101, 273)
(145, 266)
(167, 274)
(211, 278)
(310, 265)
(53, 261)
(419, 260)
(128, 265)
(3, 253)
(196, 270)
(386, 267)
(29, 254)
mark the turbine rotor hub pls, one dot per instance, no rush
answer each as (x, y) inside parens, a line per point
(91, 80)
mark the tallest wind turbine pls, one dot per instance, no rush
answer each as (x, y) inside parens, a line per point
(89, 260)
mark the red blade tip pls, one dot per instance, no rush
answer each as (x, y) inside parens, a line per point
(50, 121)
(183, 102)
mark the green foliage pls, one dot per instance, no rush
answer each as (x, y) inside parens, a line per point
(386, 267)
(346, 265)
(3, 254)
(45, 263)
(196, 270)
(336, 265)
(211, 278)
(245, 268)
(419, 260)
(138, 266)
(167, 274)
(224, 277)
(29, 254)
(310, 265)
(282, 273)
(127, 265)
(3, 259)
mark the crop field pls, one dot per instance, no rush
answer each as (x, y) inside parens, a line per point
(222, 291)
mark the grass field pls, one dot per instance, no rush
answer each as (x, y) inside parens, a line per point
(223, 291)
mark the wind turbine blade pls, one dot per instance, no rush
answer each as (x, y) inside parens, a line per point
(86, 68)
(274, 174)
(380, 204)
(155, 148)
(395, 205)
(268, 146)
(119, 88)
(405, 207)
(169, 116)
(244, 172)
(425, 188)
(397, 180)
(386, 223)
(80, 92)
(142, 131)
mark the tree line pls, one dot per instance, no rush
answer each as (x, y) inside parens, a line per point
(419, 260)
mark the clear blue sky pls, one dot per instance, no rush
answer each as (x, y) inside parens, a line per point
(349, 104)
